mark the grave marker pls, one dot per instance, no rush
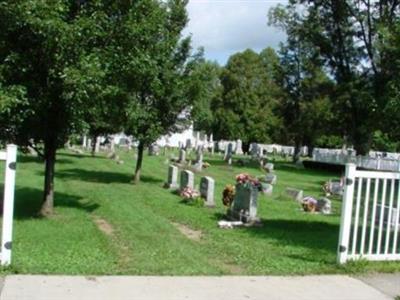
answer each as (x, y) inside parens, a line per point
(172, 182)
(244, 206)
(207, 185)
(187, 179)
(295, 194)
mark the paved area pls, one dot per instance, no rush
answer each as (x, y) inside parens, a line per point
(386, 283)
(24, 287)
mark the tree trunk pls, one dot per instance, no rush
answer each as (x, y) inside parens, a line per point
(136, 178)
(48, 195)
(296, 154)
(94, 142)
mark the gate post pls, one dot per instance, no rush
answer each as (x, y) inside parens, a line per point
(8, 204)
(347, 208)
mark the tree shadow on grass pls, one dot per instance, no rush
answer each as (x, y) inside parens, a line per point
(76, 155)
(102, 176)
(93, 176)
(309, 234)
(32, 159)
(150, 179)
(28, 202)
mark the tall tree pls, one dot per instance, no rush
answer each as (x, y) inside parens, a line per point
(246, 107)
(346, 34)
(40, 42)
(305, 108)
(157, 75)
(204, 89)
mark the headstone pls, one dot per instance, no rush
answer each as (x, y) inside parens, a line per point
(199, 159)
(271, 178)
(188, 145)
(84, 141)
(254, 151)
(392, 221)
(295, 194)
(239, 149)
(89, 143)
(154, 150)
(207, 185)
(32, 151)
(172, 182)
(187, 179)
(182, 156)
(112, 144)
(244, 206)
(228, 153)
(197, 139)
(324, 206)
(97, 145)
(269, 167)
(267, 188)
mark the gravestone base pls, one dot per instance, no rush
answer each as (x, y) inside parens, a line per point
(244, 217)
(171, 186)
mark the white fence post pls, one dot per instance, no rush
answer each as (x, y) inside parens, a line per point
(8, 204)
(347, 206)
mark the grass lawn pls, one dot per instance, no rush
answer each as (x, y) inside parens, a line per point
(105, 225)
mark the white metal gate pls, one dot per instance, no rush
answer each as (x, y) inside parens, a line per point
(10, 156)
(370, 220)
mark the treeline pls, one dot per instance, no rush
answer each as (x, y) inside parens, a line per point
(333, 83)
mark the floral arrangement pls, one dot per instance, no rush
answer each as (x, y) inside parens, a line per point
(310, 204)
(206, 165)
(189, 194)
(247, 180)
(228, 194)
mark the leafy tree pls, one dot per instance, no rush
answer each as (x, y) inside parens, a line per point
(204, 90)
(157, 75)
(346, 34)
(306, 107)
(40, 42)
(246, 108)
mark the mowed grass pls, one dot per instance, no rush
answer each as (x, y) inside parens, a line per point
(103, 224)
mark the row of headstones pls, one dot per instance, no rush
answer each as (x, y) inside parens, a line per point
(207, 184)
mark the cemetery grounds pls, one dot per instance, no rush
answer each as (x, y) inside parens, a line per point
(103, 224)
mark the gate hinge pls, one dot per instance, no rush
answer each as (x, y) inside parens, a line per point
(349, 181)
(12, 165)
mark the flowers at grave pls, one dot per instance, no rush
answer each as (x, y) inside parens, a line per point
(248, 181)
(189, 194)
(228, 194)
(309, 204)
(206, 165)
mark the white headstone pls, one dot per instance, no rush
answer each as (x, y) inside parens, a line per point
(267, 188)
(271, 178)
(187, 179)
(295, 194)
(182, 156)
(172, 182)
(239, 149)
(269, 167)
(207, 185)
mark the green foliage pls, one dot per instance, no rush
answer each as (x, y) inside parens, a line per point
(204, 90)
(246, 108)
(349, 38)
(306, 106)
(382, 142)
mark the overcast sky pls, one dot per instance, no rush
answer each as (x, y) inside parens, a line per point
(224, 27)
